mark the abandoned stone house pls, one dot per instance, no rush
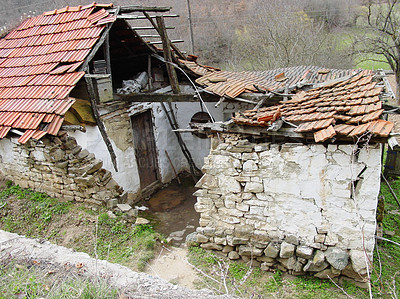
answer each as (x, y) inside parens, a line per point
(87, 104)
(295, 185)
(92, 111)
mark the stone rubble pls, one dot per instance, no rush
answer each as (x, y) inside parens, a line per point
(59, 167)
(290, 206)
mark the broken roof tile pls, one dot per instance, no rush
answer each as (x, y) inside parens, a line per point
(324, 134)
(336, 108)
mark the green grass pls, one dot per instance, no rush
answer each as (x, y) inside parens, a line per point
(38, 210)
(369, 63)
(386, 270)
(19, 280)
(71, 224)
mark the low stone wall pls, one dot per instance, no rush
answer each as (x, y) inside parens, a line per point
(58, 167)
(299, 208)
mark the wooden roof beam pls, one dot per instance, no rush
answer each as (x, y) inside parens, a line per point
(134, 8)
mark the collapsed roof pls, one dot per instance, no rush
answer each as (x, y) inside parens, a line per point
(45, 58)
(347, 108)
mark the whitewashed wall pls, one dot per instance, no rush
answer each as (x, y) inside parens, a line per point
(292, 196)
(165, 139)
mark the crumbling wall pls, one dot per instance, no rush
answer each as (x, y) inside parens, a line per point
(59, 167)
(299, 208)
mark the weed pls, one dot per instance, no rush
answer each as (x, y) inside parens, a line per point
(20, 281)
(274, 282)
(35, 214)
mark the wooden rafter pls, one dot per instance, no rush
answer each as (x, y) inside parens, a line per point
(173, 78)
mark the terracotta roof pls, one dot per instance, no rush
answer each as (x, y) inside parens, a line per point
(38, 67)
(348, 107)
(232, 84)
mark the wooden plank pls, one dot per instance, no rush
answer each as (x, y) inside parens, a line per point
(107, 56)
(132, 8)
(194, 171)
(172, 41)
(173, 78)
(93, 100)
(150, 80)
(163, 98)
(179, 53)
(136, 17)
(151, 28)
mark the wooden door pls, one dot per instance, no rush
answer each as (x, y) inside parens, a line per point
(145, 149)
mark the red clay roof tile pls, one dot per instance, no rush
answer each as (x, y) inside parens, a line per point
(323, 112)
(39, 62)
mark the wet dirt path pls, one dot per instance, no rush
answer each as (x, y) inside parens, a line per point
(172, 208)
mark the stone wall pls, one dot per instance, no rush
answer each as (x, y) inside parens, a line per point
(59, 167)
(299, 208)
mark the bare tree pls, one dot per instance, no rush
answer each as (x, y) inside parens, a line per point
(281, 34)
(380, 38)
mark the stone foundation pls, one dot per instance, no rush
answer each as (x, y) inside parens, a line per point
(294, 207)
(58, 167)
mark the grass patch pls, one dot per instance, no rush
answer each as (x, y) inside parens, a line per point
(251, 282)
(74, 225)
(24, 280)
(386, 269)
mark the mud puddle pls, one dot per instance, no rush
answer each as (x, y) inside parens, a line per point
(173, 210)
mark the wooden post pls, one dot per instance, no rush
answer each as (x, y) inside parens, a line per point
(190, 26)
(149, 72)
(85, 65)
(96, 114)
(173, 78)
(107, 56)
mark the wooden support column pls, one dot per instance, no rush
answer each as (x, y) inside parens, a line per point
(93, 100)
(149, 72)
(107, 55)
(173, 78)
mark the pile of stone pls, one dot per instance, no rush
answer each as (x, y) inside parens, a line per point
(59, 167)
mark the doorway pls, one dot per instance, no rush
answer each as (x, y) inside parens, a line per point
(145, 148)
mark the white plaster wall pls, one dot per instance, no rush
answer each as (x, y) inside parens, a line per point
(293, 189)
(127, 176)
(198, 147)
(165, 139)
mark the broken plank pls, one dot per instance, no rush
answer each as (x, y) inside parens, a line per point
(93, 100)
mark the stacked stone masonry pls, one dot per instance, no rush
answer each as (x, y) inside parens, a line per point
(59, 167)
(294, 207)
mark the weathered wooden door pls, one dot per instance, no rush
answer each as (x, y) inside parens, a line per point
(145, 149)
